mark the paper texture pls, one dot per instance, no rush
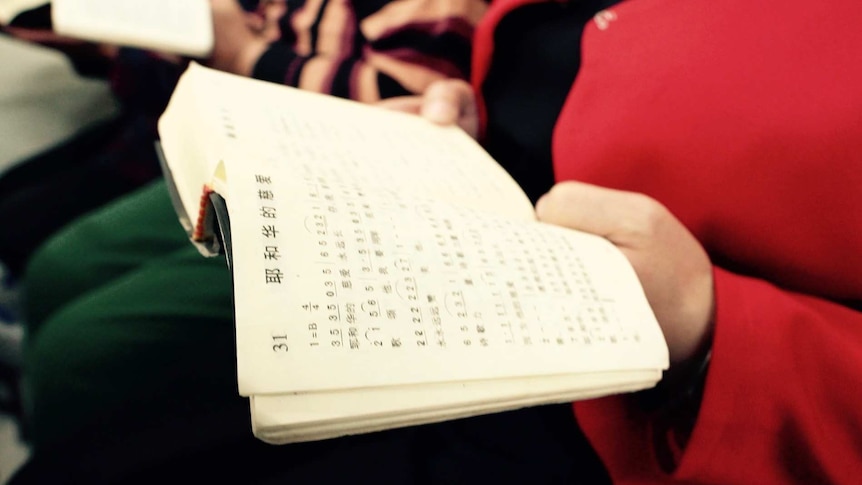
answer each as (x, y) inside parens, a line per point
(171, 26)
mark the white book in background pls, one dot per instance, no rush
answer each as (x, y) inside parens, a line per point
(387, 271)
(171, 26)
(9, 9)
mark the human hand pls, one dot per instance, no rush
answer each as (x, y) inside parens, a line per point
(445, 102)
(673, 267)
(240, 38)
(266, 18)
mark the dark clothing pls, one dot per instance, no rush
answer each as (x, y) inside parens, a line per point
(522, 106)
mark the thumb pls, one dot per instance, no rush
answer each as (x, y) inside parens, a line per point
(613, 214)
(406, 104)
(451, 101)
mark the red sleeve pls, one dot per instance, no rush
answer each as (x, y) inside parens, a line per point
(782, 402)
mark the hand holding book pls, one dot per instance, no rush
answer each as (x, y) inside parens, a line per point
(672, 265)
(388, 272)
(446, 102)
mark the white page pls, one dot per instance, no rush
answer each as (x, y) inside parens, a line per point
(422, 294)
(214, 115)
(295, 410)
(321, 137)
(397, 407)
(173, 26)
(190, 155)
(296, 161)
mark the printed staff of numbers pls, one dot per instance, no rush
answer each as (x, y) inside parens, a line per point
(267, 215)
(526, 277)
(359, 276)
(511, 290)
(538, 273)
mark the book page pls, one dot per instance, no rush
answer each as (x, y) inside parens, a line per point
(323, 138)
(9, 9)
(289, 418)
(188, 152)
(373, 248)
(363, 288)
(214, 115)
(173, 26)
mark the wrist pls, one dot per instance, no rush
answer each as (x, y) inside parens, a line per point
(675, 405)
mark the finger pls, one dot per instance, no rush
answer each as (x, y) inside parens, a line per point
(256, 22)
(622, 217)
(446, 102)
(273, 11)
(407, 104)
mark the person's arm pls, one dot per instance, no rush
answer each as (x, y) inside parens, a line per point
(366, 50)
(780, 400)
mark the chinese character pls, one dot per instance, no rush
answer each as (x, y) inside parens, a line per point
(263, 179)
(267, 212)
(271, 252)
(265, 195)
(268, 231)
(273, 276)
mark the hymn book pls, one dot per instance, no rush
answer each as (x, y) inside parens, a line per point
(387, 271)
(181, 27)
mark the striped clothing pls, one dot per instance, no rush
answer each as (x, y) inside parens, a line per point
(371, 49)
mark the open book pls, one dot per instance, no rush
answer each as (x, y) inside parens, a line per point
(387, 272)
(169, 26)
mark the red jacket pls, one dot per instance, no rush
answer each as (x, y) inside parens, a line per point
(745, 119)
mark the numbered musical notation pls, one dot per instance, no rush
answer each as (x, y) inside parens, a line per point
(387, 272)
(390, 273)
